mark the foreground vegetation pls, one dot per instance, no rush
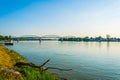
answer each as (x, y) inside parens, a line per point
(8, 70)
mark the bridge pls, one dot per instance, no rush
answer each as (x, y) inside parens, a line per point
(45, 37)
(50, 37)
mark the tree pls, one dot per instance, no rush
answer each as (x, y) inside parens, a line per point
(1, 37)
(86, 38)
(99, 38)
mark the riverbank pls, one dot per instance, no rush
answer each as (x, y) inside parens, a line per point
(8, 70)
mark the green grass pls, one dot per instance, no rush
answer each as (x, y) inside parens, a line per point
(8, 58)
(30, 73)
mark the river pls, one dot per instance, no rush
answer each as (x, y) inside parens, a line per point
(88, 60)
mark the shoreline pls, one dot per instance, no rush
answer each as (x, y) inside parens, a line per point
(8, 70)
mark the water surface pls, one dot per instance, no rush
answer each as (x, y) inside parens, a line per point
(89, 60)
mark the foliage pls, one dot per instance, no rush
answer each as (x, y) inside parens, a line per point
(87, 39)
(5, 37)
(8, 58)
(30, 73)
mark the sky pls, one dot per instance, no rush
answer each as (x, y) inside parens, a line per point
(60, 17)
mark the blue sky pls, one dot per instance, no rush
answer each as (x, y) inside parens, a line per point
(60, 17)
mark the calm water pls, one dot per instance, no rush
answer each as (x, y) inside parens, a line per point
(89, 60)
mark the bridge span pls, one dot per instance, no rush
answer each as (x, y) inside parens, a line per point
(45, 37)
(40, 38)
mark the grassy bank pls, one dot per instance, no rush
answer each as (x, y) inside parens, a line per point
(8, 58)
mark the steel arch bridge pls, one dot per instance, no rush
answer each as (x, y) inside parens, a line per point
(44, 37)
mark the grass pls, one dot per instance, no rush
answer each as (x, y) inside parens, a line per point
(35, 74)
(8, 58)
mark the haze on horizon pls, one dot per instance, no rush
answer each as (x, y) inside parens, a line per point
(60, 17)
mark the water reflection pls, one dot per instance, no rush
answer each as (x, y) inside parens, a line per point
(89, 60)
(108, 45)
(39, 42)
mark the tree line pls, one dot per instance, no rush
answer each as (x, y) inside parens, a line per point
(98, 39)
(5, 37)
(86, 39)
